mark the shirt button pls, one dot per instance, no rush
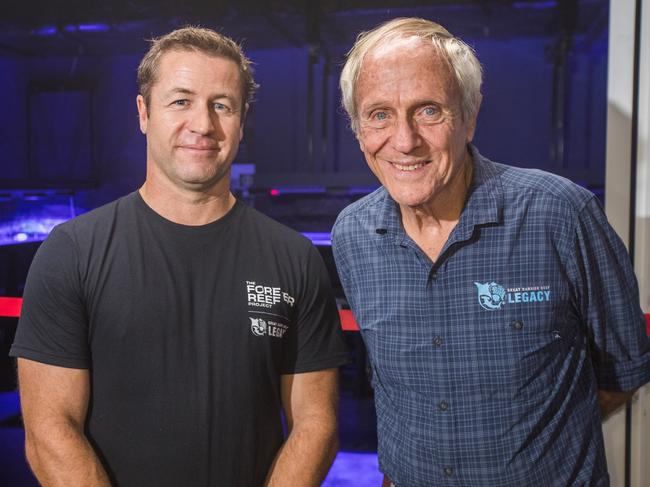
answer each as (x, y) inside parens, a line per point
(556, 335)
(517, 324)
(437, 341)
(434, 276)
(448, 471)
(443, 405)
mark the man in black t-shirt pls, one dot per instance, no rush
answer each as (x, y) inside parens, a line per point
(163, 334)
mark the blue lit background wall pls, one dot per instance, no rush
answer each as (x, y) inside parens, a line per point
(296, 133)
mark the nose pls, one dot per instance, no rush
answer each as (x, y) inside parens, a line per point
(202, 120)
(405, 136)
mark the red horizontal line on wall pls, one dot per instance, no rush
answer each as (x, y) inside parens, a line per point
(10, 307)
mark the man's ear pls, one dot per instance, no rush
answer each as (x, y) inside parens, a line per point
(244, 112)
(143, 115)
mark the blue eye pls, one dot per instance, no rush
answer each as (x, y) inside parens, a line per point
(430, 111)
(221, 107)
(381, 116)
(180, 103)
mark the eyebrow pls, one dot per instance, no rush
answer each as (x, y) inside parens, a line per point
(182, 91)
(373, 106)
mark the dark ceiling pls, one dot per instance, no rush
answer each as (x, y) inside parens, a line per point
(40, 27)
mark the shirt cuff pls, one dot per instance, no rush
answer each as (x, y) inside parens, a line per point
(624, 376)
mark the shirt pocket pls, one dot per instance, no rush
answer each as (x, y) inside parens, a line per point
(400, 348)
(523, 352)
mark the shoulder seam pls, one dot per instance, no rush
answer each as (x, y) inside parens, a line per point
(577, 204)
(360, 205)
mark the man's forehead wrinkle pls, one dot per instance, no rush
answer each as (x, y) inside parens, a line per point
(378, 88)
(379, 84)
(403, 49)
(173, 78)
(180, 89)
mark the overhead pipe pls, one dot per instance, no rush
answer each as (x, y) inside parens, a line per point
(324, 113)
(312, 19)
(567, 19)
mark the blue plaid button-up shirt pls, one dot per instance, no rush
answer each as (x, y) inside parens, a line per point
(486, 363)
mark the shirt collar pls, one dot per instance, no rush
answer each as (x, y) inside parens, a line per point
(484, 203)
(389, 219)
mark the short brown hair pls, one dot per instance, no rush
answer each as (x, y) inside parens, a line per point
(200, 39)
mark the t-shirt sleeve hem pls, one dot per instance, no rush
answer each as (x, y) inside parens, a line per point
(49, 359)
(321, 364)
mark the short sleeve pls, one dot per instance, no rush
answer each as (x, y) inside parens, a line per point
(53, 326)
(316, 342)
(608, 298)
(340, 249)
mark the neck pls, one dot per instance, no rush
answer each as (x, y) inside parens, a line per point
(187, 207)
(430, 225)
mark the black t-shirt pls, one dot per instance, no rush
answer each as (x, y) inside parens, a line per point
(186, 331)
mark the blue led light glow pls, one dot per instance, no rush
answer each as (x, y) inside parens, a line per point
(9, 405)
(93, 28)
(543, 5)
(46, 30)
(86, 28)
(27, 230)
(26, 217)
(351, 468)
(319, 238)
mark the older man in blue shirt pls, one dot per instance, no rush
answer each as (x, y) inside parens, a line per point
(498, 306)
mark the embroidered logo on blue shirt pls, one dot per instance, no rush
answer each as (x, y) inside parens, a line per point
(490, 295)
(493, 296)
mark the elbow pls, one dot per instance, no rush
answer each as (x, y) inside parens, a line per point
(47, 444)
(32, 451)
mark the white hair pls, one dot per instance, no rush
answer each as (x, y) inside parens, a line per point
(460, 57)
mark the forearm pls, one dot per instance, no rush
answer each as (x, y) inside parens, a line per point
(305, 457)
(610, 401)
(60, 455)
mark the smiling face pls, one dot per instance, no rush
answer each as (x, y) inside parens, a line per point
(193, 122)
(411, 129)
